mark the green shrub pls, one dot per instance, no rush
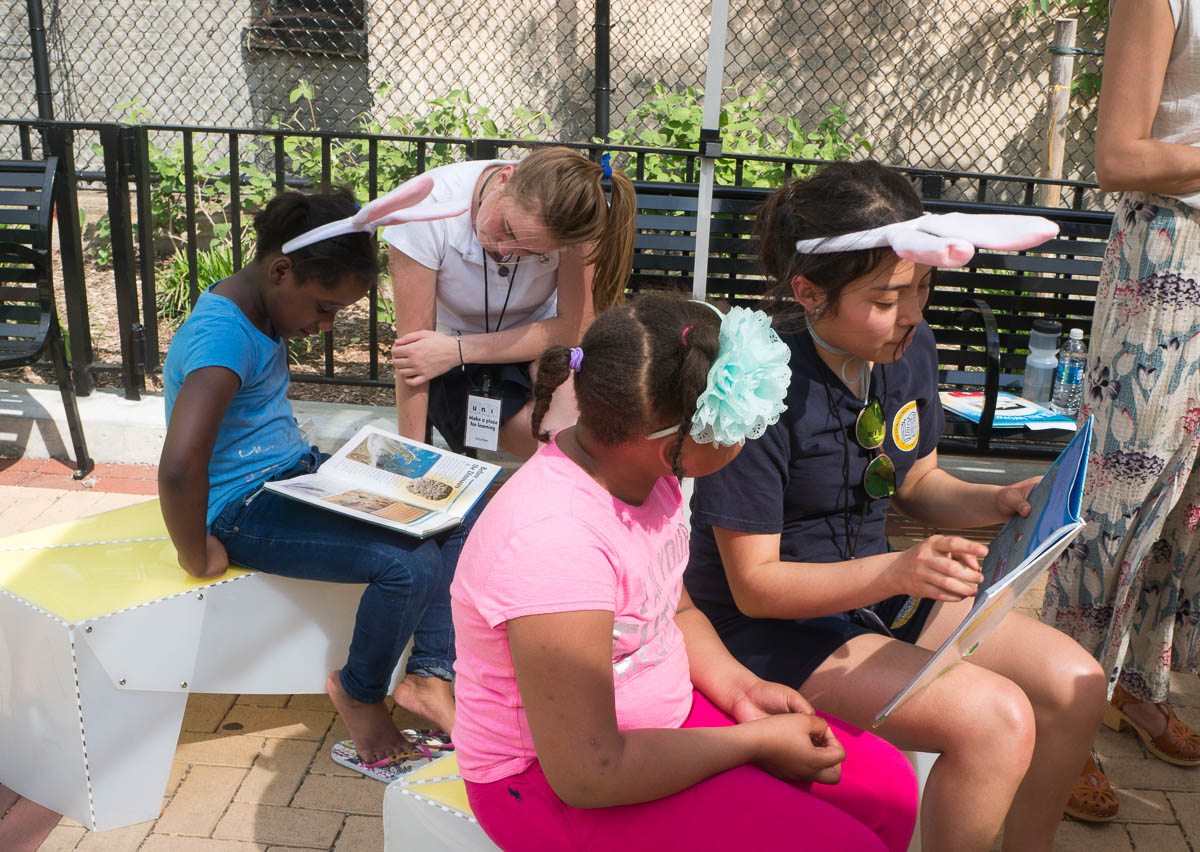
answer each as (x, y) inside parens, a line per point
(172, 288)
(673, 120)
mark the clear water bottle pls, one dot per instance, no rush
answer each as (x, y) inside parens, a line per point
(1068, 381)
(1042, 361)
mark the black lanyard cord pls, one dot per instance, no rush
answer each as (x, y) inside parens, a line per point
(835, 412)
(486, 310)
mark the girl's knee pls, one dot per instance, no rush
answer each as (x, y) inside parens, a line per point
(995, 722)
(1071, 687)
(1082, 695)
(414, 573)
(897, 799)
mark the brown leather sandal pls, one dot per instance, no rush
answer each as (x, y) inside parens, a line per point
(1178, 744)
(1093, 799)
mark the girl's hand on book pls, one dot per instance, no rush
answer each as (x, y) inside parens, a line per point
(1014, 499)
(796, 747)
(765, 698)
(942, 567)
(423, 355)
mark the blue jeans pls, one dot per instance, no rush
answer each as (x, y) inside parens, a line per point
(408, 579)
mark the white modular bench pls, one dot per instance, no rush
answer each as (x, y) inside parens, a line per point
(102, 637)
(428, 811)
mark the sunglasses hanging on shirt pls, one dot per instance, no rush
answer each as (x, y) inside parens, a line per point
(879, 478)
(870, 428)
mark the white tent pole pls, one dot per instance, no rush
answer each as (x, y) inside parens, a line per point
(710, 141)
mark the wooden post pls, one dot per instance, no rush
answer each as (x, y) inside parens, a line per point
(1058, 101)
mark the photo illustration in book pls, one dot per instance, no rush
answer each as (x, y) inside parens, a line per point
(394, 482)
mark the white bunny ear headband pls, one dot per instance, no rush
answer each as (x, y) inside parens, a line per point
(402, 204)
(947, 239)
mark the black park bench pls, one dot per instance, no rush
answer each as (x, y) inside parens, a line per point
(28, 314)
(981, 315)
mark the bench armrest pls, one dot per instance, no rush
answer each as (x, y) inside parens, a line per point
(991, 379)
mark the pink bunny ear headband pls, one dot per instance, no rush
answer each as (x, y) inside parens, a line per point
(402, 204)
(947, 239)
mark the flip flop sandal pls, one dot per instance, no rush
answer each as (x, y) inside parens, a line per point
(386, 770)
(430, 738)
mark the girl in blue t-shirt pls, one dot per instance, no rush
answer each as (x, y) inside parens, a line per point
(789, 555)
(230, 429)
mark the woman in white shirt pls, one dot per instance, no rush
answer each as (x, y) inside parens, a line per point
(541, 250)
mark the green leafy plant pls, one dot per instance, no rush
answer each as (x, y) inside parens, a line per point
(454, 115)
(1085, 85)
(673, 120)
(212, 264)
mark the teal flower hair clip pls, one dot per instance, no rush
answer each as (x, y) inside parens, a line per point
(746, 383)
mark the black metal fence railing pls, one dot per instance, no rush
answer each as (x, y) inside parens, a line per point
(194, 184)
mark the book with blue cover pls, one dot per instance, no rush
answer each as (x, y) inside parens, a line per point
(1017, 556)
(1012, 411)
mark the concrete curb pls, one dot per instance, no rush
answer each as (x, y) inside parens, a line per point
(119, 431)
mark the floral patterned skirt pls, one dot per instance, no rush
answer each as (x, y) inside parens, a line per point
(1128, 589)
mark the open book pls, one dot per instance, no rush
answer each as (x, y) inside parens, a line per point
(1012, 411)
(394, 482)
(1023, 549)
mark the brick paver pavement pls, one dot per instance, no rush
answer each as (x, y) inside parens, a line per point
(252, 772)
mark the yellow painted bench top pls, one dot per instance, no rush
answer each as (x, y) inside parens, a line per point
(450, 791)
(90, 567)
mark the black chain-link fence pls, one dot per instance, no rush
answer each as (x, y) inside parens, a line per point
(950, 84)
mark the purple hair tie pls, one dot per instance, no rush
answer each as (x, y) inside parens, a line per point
(576, 360)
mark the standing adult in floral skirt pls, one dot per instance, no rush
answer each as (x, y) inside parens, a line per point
(1129, 588)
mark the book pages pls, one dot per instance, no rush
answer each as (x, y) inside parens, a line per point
(1021, 551)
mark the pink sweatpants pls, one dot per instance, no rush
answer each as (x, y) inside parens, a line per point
(873, 807)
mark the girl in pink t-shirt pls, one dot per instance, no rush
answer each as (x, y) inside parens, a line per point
(596, 707)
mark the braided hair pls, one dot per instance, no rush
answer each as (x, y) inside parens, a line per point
(644, 366)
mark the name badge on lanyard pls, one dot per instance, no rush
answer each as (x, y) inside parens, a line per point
(483, 418)
(483, 406)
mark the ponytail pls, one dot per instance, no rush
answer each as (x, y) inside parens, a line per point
(699, 343)
(552, 370)
(644, 366)
(613, 254)
(565, 188)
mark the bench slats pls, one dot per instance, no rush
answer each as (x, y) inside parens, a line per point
(1057, 280)
(19, 216)
(20, 179)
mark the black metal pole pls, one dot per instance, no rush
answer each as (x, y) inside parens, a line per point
(116, 139)
(61, 143)
(41, 61)
(603, 81)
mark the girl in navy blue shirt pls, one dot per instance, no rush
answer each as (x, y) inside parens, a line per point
(790, 559)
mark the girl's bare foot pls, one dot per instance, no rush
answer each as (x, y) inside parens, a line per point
(370, 725)
(429, 697)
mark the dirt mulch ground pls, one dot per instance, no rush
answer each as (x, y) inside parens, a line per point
(351, 335)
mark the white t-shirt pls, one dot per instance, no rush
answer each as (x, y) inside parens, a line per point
(1178, 116)
(450, 247)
